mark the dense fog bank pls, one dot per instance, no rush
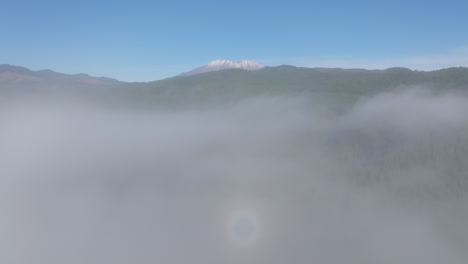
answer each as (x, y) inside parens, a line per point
(265, 180)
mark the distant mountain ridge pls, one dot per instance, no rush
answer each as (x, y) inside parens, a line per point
(344, 85)
(15, 76)
(219, 65)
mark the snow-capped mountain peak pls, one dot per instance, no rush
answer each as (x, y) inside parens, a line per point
(219, 65)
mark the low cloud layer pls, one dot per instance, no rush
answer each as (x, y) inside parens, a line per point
(267, 180)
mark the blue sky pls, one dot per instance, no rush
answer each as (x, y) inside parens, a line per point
(149, 40)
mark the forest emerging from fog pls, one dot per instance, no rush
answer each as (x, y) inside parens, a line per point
(279, 165)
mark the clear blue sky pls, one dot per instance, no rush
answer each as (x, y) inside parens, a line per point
(149, 40)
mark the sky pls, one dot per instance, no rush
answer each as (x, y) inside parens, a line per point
(149, 40)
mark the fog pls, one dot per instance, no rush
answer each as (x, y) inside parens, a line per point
(267, 180)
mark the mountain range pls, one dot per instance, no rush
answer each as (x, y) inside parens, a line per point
(18, 77)
(241, 79)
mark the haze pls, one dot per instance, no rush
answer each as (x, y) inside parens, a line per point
(269, 179)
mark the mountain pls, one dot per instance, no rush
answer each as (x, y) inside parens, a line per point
(20, 77)
(335, 87)
(219, 65)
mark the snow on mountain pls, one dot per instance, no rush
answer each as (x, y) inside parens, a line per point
(219, 65)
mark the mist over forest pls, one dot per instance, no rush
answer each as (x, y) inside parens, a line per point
(238, 167)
